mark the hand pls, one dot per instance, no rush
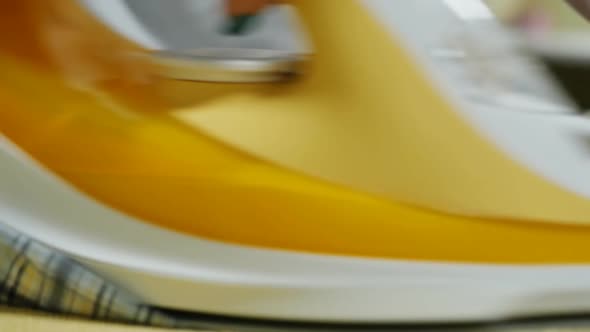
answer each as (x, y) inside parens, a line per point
(246, 7)
(242, 14)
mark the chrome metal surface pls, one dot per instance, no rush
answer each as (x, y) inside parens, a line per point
(236, 65)
(576, 323)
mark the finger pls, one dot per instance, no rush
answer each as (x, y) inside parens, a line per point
(243, 14)
(245, 7)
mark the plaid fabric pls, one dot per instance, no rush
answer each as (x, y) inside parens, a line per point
(34, 276)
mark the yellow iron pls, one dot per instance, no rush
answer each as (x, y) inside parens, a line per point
(390, 175)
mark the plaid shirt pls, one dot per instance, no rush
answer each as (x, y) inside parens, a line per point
(34, 276)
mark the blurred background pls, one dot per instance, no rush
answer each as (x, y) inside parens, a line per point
(557, 35)
(539, 15)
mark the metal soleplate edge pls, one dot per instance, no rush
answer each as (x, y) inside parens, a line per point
(568, 323)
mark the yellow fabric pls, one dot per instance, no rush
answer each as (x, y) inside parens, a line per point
(26, 322)
(148, 165)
